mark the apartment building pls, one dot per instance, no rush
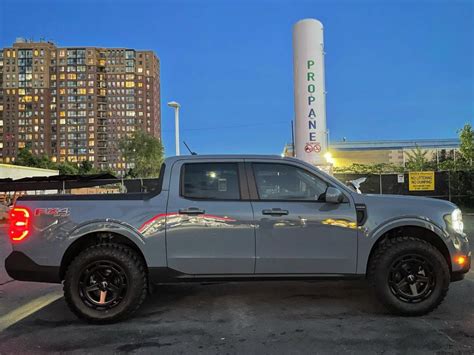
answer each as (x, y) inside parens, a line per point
(76, 103)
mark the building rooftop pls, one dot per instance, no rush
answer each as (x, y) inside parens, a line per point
(396, 144)
(445, 143)
(20, 167)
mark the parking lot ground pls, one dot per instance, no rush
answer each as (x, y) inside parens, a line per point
(250, 317)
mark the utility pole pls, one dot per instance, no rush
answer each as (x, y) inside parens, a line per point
(293, 139)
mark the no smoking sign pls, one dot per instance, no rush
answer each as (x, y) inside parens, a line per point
(312, 147)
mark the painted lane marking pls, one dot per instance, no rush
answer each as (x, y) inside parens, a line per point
(28, 309)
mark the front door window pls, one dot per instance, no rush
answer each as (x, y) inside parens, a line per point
(287, 183)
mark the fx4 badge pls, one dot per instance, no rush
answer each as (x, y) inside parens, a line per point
(57, 212)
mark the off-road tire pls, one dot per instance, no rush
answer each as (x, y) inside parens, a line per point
(134, 268)
(379, 267)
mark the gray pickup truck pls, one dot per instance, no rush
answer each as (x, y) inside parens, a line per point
(235, 218)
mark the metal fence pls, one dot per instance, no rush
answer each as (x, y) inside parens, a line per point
(455, 186)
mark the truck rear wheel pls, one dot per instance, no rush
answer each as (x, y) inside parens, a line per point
(409, 276)
(105, 283)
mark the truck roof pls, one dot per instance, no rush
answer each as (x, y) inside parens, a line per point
(171, 160)
(227, 156)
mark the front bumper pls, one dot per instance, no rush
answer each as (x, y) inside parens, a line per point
(20, 267)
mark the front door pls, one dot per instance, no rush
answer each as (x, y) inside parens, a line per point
(296, 231)
(209, 221)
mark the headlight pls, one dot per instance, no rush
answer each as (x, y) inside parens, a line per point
(456, 221)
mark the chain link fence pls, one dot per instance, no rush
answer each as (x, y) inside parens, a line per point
(454, 186)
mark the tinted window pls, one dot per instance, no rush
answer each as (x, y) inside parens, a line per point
(217, 181)
(286, 182)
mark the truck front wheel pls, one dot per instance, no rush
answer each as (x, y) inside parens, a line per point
(409, 276)
(105, 283)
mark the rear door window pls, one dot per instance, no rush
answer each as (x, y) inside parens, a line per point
(210, 181)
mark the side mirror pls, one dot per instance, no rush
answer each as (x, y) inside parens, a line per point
(334, 195)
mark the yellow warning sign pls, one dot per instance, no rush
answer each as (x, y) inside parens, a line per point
(421, 181)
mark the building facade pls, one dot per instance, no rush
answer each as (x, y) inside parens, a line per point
(76, 103)
(396, 152)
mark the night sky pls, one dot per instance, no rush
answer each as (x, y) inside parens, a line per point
(394, 69)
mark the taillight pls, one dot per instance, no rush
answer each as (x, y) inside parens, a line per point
(19, 224)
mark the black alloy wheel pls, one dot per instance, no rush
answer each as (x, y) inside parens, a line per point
(106, 283)
(103, 285)
(411, 278)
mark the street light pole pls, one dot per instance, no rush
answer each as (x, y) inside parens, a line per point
(176, 107)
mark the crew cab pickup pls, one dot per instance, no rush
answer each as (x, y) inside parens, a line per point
(217, 218)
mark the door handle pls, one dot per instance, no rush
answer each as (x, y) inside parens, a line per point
(275, 212)
(191, 211)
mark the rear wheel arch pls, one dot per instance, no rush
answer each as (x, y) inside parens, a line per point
(95, 238)
(415, 232)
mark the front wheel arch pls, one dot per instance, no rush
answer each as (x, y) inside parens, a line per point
(409, 290)
(415, 232)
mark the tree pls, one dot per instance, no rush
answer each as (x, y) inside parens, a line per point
(67, 168)
(466, 136)
(86, 167)
(357, 168)
(417, 160)
(144, 152)
(25, 158)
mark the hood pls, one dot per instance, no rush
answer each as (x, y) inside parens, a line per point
(390, 207)
(417, 200)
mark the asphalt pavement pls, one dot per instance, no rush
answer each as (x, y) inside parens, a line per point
(251, 317)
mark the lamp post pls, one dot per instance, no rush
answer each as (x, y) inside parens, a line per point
(176, 107)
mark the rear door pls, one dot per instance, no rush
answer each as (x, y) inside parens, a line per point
(209, 218)
(296, 231)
